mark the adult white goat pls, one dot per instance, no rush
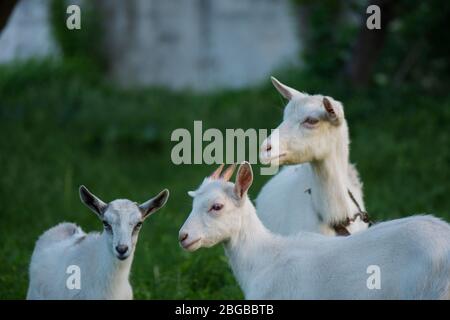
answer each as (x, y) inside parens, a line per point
(102, 259)
(323, 193)
(412, 254)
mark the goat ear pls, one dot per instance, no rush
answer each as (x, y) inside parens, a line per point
(244, 179)
(92, 202)
(284, 90)
(191, 194)
(154, 204)
(331, 111)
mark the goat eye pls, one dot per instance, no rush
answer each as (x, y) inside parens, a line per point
(311, 121)
(107, 226)
(216, 207)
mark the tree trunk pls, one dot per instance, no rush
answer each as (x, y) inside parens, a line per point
(369, 44)
(6, 8)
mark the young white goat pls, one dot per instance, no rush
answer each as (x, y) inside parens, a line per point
(103, 259)
(412, 254)
(316, 195)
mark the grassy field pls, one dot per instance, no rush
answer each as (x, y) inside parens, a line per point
(60, 128)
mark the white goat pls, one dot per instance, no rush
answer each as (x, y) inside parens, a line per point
(412, 254)
(316, 195)
(104, 260)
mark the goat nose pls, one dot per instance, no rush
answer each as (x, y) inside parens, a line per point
(183, 236)
(121, 249)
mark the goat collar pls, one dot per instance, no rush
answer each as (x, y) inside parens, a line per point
(341, 227)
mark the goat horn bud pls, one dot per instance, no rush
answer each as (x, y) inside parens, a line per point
(216, 174)
(229, 172)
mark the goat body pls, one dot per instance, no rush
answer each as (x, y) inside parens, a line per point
(102, 276)
(412, 254)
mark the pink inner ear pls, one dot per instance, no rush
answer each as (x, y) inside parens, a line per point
(328, 107)
(244, 180)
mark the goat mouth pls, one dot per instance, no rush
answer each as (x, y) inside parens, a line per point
(122, 258)
(188, 246)
(268, 159)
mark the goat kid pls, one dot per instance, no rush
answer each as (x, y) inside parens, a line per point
(104, 259)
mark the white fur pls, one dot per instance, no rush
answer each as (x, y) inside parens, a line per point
(413, 253)
(104, 271)
(314, 193)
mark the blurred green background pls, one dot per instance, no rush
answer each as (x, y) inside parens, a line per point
(63, 123)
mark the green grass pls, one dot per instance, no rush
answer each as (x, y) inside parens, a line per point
(60, 129)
